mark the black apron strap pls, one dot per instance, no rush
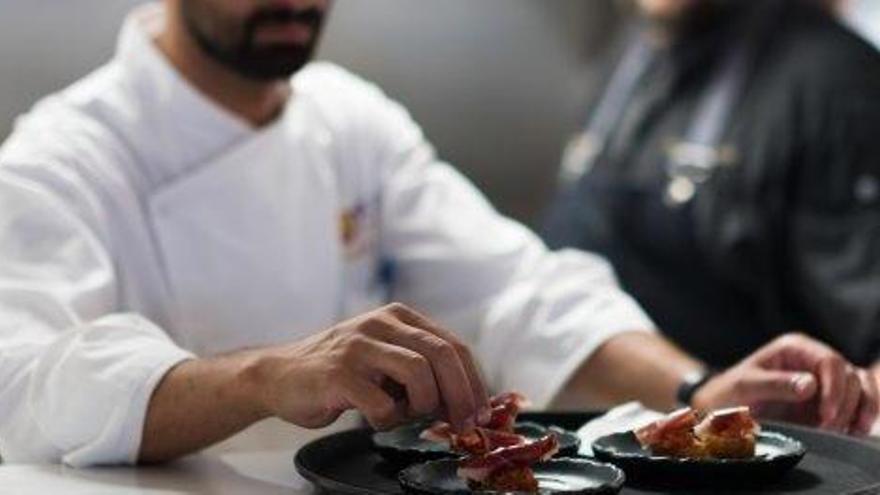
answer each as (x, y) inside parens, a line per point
(693, 159)
(585, 148)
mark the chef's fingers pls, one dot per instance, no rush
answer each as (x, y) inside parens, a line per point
(759, 386)
(833, 388)
(794, 351)
(452, 380)
(481, 396)
(409, 369)
(848, 412)
(379, 408)
(869, 404)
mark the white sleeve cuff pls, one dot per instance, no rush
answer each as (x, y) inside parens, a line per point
(91, 388)
(552, 364)
(120, 441)
(544, 328)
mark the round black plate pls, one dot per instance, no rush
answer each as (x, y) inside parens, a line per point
(404, 445)
(775, 455)
(557, 476)
(346, 462)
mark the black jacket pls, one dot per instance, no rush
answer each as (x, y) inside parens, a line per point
(786, 236)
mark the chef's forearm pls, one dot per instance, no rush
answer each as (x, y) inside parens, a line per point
(201, 402)
(631, 366)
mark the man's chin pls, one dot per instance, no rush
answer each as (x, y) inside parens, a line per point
(264, 67)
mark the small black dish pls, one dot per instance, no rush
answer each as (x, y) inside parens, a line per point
(556, 476)
(404, 445)
(775, 455)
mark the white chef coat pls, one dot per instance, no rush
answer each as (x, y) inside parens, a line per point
(141, 224)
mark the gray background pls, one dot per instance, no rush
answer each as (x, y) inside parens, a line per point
(497, 84)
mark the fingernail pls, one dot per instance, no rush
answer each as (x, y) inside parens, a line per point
(802, 383)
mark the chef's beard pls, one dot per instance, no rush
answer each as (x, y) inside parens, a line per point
(250, 60)
(701, 15)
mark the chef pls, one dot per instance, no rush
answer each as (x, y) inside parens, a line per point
(191, 241)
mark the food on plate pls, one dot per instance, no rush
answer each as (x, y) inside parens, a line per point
(672, 435)
(496, 458)
(497, 432)
(686, 433)
(508, 468)
(728, 433)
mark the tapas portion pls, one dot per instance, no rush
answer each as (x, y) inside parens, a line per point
(498, 457)
(507, 469)
(553, 477)
(686, 433)
(726, 444)
(496, 433)
(437, 440)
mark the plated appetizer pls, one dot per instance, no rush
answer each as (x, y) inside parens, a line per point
(507, 469)
(498, 432)
(495, 456)
(686, 433)
(431, 441)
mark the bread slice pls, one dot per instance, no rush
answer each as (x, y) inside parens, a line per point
(728, 433)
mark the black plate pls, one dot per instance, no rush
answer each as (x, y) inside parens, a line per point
(834, 465)
(775, 455)
(557, 476)
(404, 445)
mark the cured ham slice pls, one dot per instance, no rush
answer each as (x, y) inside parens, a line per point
(505, 408)
(497, 458)
(672, 435)
(476, 441)
(515, 398)
(482, 440)
(733, 422)
(482, 469)
(497, 432)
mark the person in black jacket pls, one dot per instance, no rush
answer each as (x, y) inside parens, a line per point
(731, 173)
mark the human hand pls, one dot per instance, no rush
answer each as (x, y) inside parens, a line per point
(392, 364)
(796, 378)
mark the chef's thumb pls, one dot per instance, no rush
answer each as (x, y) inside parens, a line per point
(779, 386)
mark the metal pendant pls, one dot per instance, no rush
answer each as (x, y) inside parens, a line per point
(679, 191)
(579, 156)
(689, 166)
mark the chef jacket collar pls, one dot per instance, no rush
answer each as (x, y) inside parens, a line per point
(183, 127)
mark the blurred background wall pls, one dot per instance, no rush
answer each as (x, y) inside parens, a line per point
(497, 84)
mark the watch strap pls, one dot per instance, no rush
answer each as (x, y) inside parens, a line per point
(690, 384)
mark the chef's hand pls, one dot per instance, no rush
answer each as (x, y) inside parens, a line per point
(392, 364)
(796, 378)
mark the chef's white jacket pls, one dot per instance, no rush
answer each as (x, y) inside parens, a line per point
(142, 225)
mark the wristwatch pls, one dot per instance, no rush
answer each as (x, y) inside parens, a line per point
(690, 384)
